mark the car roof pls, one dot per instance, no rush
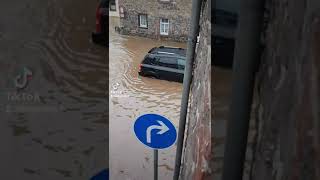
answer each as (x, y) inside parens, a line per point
(169, 51)
(167, 55)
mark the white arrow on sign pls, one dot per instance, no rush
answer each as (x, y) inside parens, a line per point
(163, 128)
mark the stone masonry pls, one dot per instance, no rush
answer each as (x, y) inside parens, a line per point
(283, 142)
(287, 143)
(177, 11)
(197, 148)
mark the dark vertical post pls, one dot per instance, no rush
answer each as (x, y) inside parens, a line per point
(247, 54)
(192, 41)
(155, 164)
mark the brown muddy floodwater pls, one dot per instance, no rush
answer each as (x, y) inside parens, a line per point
(58, 130)
(135, 96)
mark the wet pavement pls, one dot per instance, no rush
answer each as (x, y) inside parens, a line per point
(132, 96)
(56, 127)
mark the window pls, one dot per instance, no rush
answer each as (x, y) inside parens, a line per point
(143, 21)
(169, 62)
(150, 59)
(121, 12)
(181, 64)
(164, 26)
(113, 5)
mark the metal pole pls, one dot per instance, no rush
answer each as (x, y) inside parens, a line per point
(192, 40)
(155, 164)
(247, 55)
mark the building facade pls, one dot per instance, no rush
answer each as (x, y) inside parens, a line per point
(157, 19)
(114, 8)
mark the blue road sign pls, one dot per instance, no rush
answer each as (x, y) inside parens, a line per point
(103, 175)
(155, 131)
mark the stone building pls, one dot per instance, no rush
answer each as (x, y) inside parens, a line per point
(283, 141)
(197, 150)
(287, 140)
(157, 19)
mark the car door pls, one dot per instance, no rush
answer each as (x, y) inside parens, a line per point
(150, 66)
(168, 68)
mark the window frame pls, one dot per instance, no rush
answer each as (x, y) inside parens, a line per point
(121, 12)
(146, 18)
(164, 24)
(111, 5)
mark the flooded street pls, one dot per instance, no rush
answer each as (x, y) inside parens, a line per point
(56, 127)
(132, 96)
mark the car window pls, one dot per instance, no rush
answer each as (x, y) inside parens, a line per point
(181, 63)
(150, 60)
(170, 62)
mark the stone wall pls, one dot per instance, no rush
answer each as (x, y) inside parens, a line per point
(287, 142)
(283, 142)
(177, 11)
(197, 148)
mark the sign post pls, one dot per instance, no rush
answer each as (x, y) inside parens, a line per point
(155, 164)
(156, 132)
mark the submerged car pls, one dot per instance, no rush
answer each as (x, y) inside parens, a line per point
(100, 36)
(166, 63)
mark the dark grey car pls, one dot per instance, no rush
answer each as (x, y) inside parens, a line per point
(164, 63)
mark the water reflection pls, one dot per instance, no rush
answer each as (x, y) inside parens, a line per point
(70, 72)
